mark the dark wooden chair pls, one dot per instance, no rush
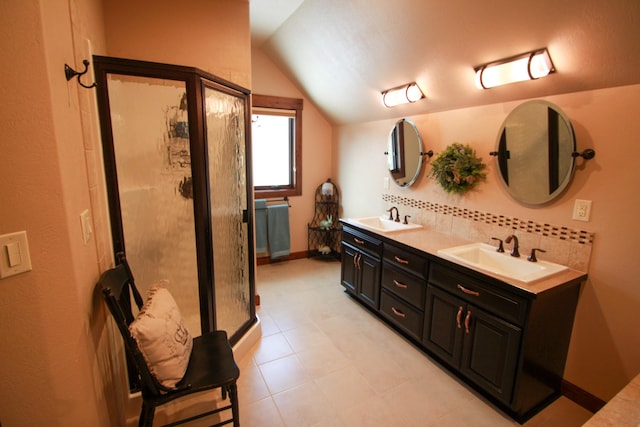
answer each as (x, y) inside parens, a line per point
(211, 364)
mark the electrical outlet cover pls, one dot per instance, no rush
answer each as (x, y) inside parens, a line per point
(582, 210)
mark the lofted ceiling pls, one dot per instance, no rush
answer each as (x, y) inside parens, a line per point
(343, 53)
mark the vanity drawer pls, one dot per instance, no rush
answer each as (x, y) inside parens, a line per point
(402, 314)
(406, 260)
(362, 241)
(410, 288)
(501, 303)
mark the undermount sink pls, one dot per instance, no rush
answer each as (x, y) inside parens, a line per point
(384, 225)
(484, 257)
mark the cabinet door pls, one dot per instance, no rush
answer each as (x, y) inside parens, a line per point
(349, 273)
(443, 331)
(490, 352)
(369, 279)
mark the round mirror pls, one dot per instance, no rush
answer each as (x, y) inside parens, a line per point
(534, 152)
(404, 155)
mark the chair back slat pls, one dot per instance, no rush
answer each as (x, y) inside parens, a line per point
(136, 295)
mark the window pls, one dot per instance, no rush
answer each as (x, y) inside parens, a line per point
(276, 134)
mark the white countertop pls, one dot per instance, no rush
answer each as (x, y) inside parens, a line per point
(430, 242)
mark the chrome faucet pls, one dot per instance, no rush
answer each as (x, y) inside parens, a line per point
(391, 214)
(514, 252)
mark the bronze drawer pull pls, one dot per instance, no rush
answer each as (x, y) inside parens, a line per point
(400, 285)
(358, 241)
(398, 312)
(401, 261)
(467, 291)
(459, 316)
(466, 321)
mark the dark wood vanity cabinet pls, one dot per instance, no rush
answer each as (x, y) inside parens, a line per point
(509, 344)
(361, 265)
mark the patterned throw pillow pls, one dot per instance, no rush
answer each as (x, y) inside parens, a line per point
(162, 336)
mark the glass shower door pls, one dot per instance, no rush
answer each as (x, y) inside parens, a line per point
(226, 136)
(149, 122)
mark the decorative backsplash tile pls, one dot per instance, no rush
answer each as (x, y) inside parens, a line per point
(563, 245)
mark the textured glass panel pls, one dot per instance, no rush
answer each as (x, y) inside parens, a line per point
(227, 174)
(151, 143)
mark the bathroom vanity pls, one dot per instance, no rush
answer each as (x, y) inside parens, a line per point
(506, 339)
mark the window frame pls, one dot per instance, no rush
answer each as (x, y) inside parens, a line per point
(291, 104)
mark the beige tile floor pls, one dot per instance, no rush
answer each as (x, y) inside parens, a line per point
(325, 361)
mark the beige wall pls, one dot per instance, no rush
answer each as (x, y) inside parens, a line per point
(57, 364)
(267, 79)
(52, 358)
(605, 351)
(210, 35)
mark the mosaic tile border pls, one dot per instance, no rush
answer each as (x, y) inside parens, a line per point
(560, 232)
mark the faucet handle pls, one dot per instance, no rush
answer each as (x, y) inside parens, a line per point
(390, 210)
(500, 245)
(405, 219)
(532, 257)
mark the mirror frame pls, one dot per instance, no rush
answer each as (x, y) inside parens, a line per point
(397, 153)
(526, 124)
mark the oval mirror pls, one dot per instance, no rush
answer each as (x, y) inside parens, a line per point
(534, 152)
(404, 155)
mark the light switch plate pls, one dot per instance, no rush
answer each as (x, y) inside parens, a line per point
(85, 222)
(14, 254)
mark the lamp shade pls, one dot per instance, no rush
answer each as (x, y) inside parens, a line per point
(527, 66)
(402, 95)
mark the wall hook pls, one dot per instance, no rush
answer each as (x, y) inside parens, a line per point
(71, 73)
(587, 154)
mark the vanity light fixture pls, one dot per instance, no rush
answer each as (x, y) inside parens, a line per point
(526, 66)
(402, 95)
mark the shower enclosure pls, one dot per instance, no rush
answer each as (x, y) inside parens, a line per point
(177, 162)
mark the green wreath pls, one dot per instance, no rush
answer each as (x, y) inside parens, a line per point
(457, 169)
